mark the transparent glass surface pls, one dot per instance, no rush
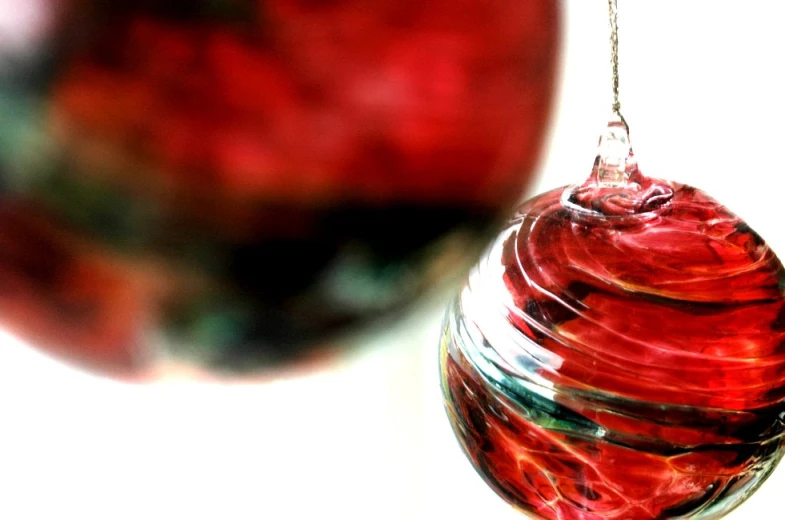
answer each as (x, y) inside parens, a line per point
(618, 353)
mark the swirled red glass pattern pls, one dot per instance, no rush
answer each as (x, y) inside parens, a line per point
(620, 355)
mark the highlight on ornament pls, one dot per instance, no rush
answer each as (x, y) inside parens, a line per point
(238, 185)
(619, 351)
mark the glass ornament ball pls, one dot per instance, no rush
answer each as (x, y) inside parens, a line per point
(228, 185)
(619, 352)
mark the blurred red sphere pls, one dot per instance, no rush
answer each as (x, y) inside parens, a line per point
(245, 180)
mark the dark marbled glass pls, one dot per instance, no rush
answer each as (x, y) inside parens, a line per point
(233, 184)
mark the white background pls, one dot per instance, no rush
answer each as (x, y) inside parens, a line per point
(702, 88)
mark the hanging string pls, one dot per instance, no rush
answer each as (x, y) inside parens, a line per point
(614, 23)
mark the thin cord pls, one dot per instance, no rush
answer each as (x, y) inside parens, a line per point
(614, 23)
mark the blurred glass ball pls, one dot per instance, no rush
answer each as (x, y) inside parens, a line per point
(235, 184)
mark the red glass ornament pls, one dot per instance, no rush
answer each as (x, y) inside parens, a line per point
(232, 184)
(619, 353)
